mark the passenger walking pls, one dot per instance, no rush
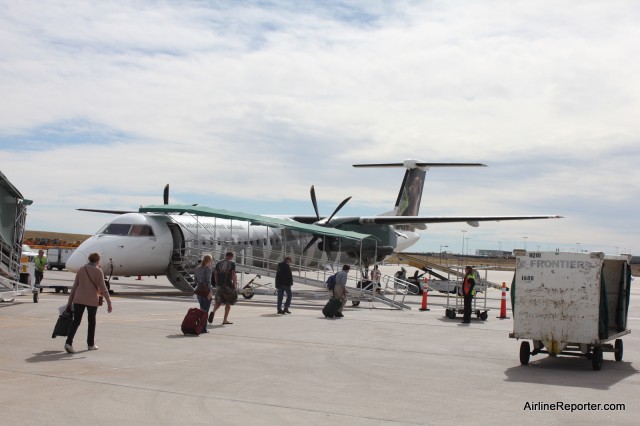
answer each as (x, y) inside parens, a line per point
(202, 274)
(375, 279)
(468, 292)
(284, 281)
(225, 277)
(40, 262)
(87, 292)
(340, 289)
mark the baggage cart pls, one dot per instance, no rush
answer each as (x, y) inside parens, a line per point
(455, 300)
(570, 304)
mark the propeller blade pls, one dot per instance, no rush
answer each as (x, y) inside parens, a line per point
(309, 244)
(315, 203)
(165, 194)
(338, 208)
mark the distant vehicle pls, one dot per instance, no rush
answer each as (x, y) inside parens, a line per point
(27, 251)
(57, 257)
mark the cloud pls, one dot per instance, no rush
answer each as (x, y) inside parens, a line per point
(251, 103)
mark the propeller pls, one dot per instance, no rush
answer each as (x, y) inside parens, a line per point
(323, 222)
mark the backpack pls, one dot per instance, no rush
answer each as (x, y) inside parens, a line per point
(331, 282)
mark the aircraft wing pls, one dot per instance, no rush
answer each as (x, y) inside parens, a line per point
(273, 222)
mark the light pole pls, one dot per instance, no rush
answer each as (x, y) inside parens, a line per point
(499, 253)
(467, 240)
(462, 252)
(525, 242)
(441, 253)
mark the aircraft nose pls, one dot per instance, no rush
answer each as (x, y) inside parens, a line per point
(77, 260)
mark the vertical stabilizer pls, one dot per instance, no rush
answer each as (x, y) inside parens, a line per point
(410, 195)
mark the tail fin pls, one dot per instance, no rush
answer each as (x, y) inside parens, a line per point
(410, 195)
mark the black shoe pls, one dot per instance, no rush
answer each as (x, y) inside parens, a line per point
(286, 311)
(280, 312)
(210, 317)
(339, 315)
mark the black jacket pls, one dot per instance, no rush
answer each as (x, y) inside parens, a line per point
(284, 277)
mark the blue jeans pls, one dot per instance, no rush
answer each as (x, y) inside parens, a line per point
(281, 292)
(205, 304)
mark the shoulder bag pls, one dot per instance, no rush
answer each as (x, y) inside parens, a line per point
(100, 298)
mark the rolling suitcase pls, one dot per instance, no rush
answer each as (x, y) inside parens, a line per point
(331, 308)
(63, 324)
(194, 321)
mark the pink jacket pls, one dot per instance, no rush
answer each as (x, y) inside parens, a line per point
(85, 287)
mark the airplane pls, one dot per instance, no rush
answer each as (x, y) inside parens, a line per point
(155, 240)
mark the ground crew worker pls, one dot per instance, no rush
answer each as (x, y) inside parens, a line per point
(468, 293)
(40, 262)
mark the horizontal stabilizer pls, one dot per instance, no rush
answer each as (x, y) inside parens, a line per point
(473, 221)
(419, 164)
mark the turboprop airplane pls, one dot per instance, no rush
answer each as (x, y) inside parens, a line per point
(156, 239)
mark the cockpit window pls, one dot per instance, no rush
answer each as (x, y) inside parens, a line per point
(141, 231)
(125, 229)
(116, 229)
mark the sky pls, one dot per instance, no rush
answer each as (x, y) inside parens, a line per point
(244, 105)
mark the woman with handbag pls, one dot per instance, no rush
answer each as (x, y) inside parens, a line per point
(204, 290)
(88, 289)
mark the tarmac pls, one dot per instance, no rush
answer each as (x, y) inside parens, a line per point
(375, 366)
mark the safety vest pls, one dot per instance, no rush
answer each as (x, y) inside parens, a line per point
(466, 286)
(39, 263)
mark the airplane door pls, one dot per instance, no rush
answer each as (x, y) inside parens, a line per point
(178, 241)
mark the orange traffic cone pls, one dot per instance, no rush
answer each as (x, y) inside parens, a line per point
(424, 296)
(503, 302)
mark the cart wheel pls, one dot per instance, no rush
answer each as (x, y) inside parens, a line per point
(619, 349)
(247, 294)
(525, 352)
(57, 290)
(355, 303)
(65, 290)
(446, 312)
(35, 297)
(596, 360)
(452, 314)
(484, 316)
